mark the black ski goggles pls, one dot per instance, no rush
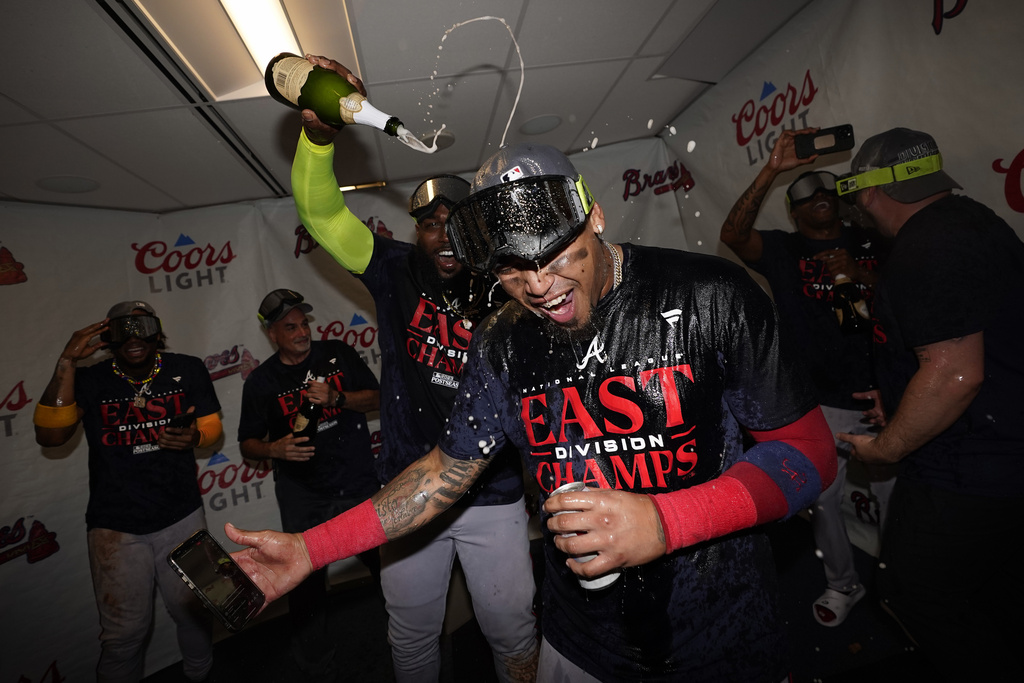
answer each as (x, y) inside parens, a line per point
(431, 193)
(532, 219)
(807, 186)
(144, 327)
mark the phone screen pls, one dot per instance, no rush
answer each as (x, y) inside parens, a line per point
(213, 576)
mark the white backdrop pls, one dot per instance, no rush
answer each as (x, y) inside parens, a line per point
(872, 63)
(205, 272)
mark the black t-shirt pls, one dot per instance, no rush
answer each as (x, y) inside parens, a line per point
(423, 345)
(839, 364)
(956, 268)
(136, 487)
(271, 396)
(687, 350)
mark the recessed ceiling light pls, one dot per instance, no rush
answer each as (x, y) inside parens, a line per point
(67, 184)
(445, 139)
(541, 124)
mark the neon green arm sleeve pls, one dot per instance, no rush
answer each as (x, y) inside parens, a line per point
(322, 209)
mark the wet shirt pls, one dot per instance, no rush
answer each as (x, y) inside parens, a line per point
(839, 364)
(423, 343)
(955, 269)
(271, 396)
(135, 486)
(686, 351)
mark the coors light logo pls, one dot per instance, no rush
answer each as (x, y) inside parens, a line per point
(757, 125)
(184, 265)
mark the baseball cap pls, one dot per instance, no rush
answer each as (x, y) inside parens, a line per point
(528, 201)
(280, 303)
(446, 189)
(128, 307)
(808, 184)
(905, 163)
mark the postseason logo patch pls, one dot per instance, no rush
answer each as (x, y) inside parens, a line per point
(445, 380)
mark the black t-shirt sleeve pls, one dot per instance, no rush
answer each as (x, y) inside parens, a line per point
(943, 292)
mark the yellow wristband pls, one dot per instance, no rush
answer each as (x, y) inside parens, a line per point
(210, 429)
(55, 417)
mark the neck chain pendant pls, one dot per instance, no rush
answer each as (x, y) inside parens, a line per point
(140, 387)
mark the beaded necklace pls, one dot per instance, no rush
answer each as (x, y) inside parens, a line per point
(140, 386)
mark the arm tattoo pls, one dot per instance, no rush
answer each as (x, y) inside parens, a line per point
(744, 211)
(420, 493)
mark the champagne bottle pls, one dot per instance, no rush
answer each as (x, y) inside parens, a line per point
(850, 307)
(293, 81)
(308, 419)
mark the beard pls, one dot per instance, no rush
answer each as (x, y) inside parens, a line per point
(578, 336)
(426, 269)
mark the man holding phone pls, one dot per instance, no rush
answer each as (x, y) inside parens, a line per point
(143, 494)
(802, 268)
(315, 481)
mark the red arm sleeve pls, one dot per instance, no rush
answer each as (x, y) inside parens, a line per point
(784, 472)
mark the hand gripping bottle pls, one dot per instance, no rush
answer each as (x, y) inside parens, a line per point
(293, 81)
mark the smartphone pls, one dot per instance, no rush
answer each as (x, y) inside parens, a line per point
(825, 141)
(214, 577)
(181, 421)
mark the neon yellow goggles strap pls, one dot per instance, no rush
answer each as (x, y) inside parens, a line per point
(890, 174)
(586, 198)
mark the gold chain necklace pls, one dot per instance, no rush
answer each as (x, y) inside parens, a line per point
(475, 300)
(140, 386)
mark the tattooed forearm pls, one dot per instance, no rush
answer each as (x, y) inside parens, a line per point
(744, 212)
(424, 490)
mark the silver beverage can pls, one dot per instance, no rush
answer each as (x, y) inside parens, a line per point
(599, 582)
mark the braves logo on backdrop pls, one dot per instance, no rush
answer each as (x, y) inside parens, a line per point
(230, 362)
(1012, 186)
(668, 179)
(758, 124)
(184, 265)
(438, 341)
(938, 14)
(11, 271)
(15, 400)
(630, 434)
(36, 544)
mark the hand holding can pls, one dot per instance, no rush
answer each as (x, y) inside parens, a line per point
(599, 582)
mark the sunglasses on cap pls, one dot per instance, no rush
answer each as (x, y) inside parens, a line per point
(532, 219)
(806, 186)
(121, 329)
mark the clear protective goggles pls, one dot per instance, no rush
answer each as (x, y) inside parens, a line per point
(446, 189)
(806, 186)
(532, 219)
(120, 330)
(890, 174)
